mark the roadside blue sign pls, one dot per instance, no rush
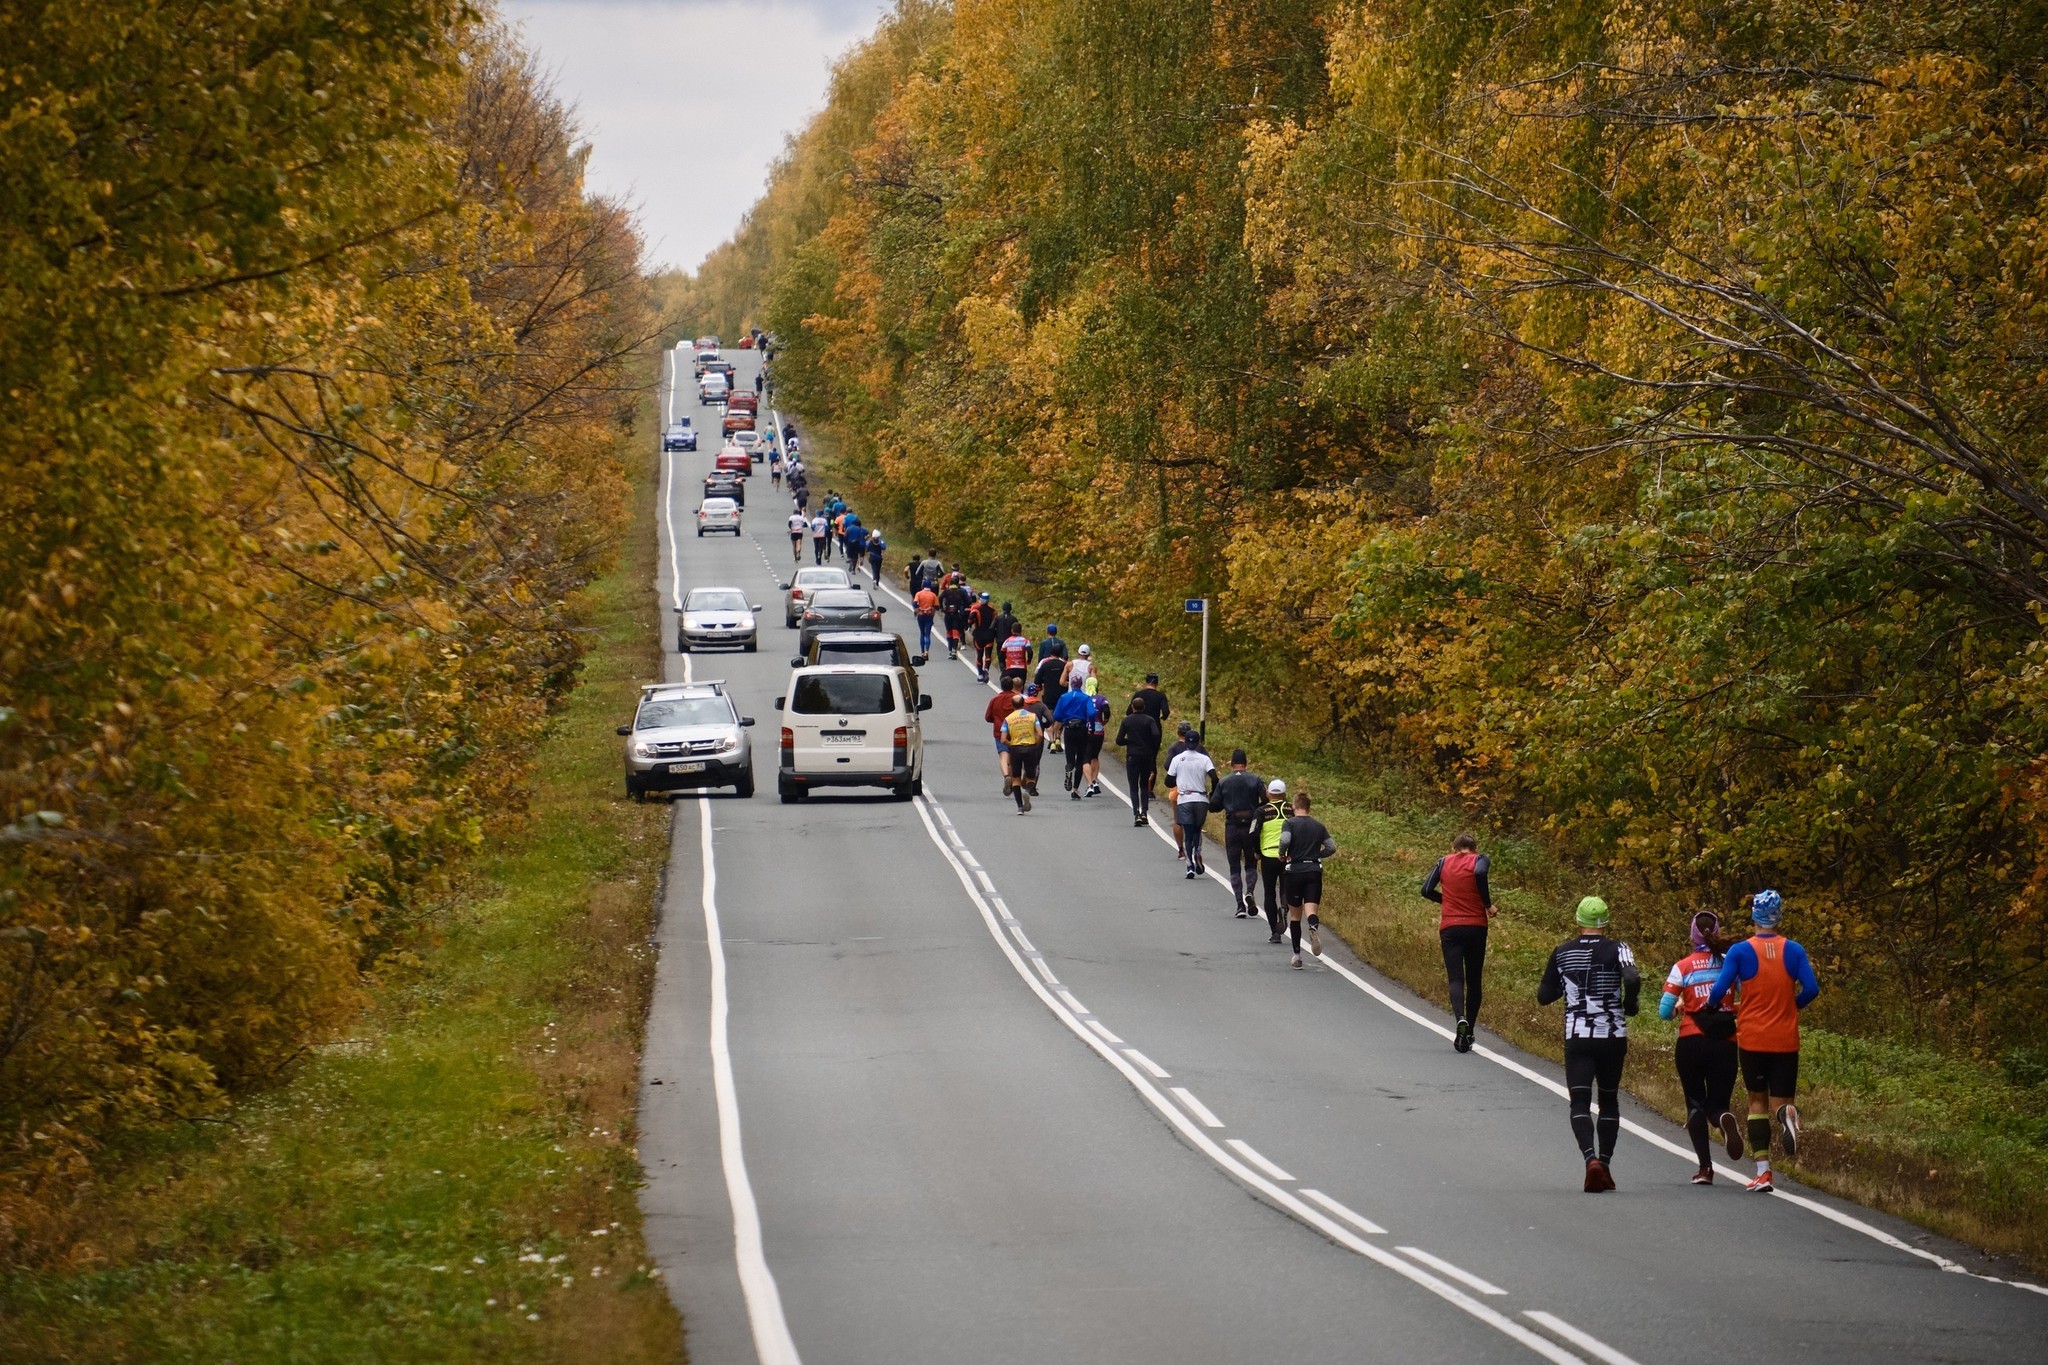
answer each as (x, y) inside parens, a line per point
(1194, 605)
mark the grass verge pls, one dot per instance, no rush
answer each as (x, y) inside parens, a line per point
(1955, 1145)
(456, 1180)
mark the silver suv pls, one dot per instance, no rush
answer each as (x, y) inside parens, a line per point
(687, 735)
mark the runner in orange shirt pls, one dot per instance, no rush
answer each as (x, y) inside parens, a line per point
(1777, 982)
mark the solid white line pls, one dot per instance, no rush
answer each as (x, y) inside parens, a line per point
(1017, 932)
(1438, 1263)
(1196, 1107)
(1159, 1073)
(772, 1342)
(1045, 971)
(1073, 1004)
(1591, 1345)
(1106, 1035)
(1280, 1197)
(1358, 1220)
(1251, 1154)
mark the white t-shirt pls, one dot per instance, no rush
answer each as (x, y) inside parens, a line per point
(819, 526)
(1189, 774)
(797, 522)
(1079, 671)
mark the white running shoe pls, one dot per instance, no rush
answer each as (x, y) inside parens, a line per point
(1315, 937)
(1295, 962)
(1788, 1128)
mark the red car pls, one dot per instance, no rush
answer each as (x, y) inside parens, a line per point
(734, 461)
(737, 420)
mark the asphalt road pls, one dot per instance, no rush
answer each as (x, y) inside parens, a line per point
(931, 1081)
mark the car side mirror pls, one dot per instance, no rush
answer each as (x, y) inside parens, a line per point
(746, 720)
(796, 661)
(879, 609)
(924, 703)
(625, 730)
(753, 606)
(778, 703)
(919, 660)
(783, 586)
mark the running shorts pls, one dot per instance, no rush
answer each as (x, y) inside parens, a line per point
(1191, 814)
(1024, 761)
(1302, 885)
(1771, 1073)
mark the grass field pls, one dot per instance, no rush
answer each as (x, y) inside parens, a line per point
(1956, 1145)
(456, 1179)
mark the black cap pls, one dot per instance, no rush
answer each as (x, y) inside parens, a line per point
(1151, 677)
(1237, 757)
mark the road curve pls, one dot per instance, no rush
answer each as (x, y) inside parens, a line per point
(934, 1082)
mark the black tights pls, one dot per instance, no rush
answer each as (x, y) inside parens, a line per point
(1706, 1071)
(1591, 1062)
(1465, 964)
(1269, 873)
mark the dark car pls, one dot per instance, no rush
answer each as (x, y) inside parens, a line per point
(837, 609)
(861, 647)
(679, 436)
(724, 484)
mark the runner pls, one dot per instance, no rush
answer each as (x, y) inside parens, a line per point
(1188, 776)
(1034, 704)
(926, 605)
(1596, 977)
(876, 548)
(1458, 884)
(1138, 736)
(1184, 737)
(1272, 817)
(1304, 842)
(853, 540)
(775, 467)
(1083, 665)
(1016, 656)
(999, 708)
(821, 538)
(981, 625)
(1098, 730)
(1007, 625)
(1777, 982)
(1153, 701)
(1022, 736)
(1705, 1050)
(1071, 716)
(1051, 677)
(798, 525)
(1239, 797)
(954, 599)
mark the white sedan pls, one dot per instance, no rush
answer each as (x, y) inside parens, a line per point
(715, 617)
(718, 514)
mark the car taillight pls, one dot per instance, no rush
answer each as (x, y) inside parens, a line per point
(874, 616)
(788, 747)
(902, 745)
(810, 616)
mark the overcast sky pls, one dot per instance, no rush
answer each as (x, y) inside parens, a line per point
(686, 102)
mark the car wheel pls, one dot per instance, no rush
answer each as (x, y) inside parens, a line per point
(901, 791)
(917, 786)
(639, 797)
(700, 533)
(753, 645)
(745, 786)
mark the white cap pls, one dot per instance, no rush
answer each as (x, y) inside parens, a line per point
(1276, 788)
(1084, 651)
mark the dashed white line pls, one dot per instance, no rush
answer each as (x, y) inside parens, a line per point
(1251, 1154)
(1586, 1342)
(1159, 1073)
(1196, 1107)
(1351, 1216)
(1104, 1033)
(1443, 1267)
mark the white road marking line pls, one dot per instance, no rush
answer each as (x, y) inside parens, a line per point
(1591, 1345)
(772, 1342)
(1251, 1154)
(1196, 1107)
(983, 877)
(1045, 971)
(1076, 1006)
(1439, 1264)
(1107, 1036)
(1356, 1219)
(1159, 1073)
(1017, 932)
(1654, 1139)
(1195, 1137)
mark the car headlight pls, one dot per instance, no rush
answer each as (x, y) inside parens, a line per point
(642, 749)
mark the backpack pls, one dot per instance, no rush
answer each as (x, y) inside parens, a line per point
(1023, 726)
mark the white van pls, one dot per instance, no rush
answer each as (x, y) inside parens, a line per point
(712, 388)
(851, 725)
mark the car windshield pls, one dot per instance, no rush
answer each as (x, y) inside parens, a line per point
(715, 599)
(717, 505)
(679, 426)
(659, 715)
(818, 578)
(849, 600)
(843, 694)
(855, 651)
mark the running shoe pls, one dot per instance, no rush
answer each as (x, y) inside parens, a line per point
(1788, 1128)
(1703, 1176)
(1295, 962)
(1315, 935)
(1073, 795)
(1274, 939)
(1192, 874)
(1760, 1185)
(1139, 821)
(1028, 794)
(1598, 1181)
(1095, 789)
(1731, 1134)
(1463, 1042)
(1240, 909)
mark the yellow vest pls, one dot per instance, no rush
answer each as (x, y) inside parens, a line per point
(1272, 815)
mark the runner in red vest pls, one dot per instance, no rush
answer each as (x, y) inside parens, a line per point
(1777, 982)
(1458, 883)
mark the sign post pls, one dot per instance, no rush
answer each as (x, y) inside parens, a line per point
(1199, 606)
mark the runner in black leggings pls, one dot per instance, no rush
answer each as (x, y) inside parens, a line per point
(1596, 977)
(1705, 1051)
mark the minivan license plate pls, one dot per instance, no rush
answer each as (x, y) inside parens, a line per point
(845, 736)
(686, 767)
